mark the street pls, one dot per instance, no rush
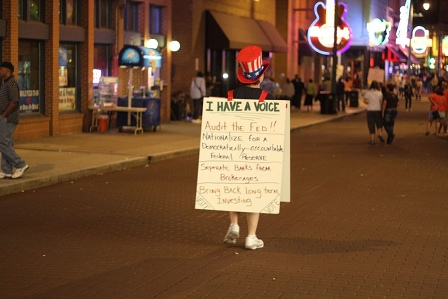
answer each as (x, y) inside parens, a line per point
(364, 221)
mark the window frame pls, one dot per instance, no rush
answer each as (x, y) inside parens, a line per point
(156, 19)
(63, 12)
(25, 10)
(102, 14)
(131, 9)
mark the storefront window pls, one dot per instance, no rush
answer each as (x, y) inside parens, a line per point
(101, 64)
(67, 77)
(101, 59)
(28, 76)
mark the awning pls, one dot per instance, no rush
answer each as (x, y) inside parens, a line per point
(274, 36)
(225, 31)
(393, 55)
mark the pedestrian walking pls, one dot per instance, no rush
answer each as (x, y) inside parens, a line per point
(12, 165)
(436, 99)
(197, 93)
(299, 89)
(310, 93)
(340, 94)
(418, 89)
(288, 90)
(408, 94)
(250, 76)
(373, 98)
(389, 112)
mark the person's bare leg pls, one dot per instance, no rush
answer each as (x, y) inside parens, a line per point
(437, 128)
(233, 217)
(252, 223)
(380, 134)
(428, 127)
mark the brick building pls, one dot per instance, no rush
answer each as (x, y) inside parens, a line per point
(56, 45)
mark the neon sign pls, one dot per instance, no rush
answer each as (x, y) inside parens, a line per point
(379, 31)
(321, 31)
(402, 30)
(445, 45)
(420, 40)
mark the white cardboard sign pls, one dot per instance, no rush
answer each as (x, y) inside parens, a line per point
(242, 156)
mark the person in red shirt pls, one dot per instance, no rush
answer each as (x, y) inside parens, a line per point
(435, 99)
(442, 110)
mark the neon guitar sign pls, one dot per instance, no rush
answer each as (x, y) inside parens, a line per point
(321, 31)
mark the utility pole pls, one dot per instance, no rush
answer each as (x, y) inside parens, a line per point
(335, 49)
(411, 21)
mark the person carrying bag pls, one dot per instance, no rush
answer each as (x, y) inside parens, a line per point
(197, 92)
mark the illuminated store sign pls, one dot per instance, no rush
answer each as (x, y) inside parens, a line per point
(402, 30)
(420, 40)
(321, 31)
(378, 31)
(445, 45)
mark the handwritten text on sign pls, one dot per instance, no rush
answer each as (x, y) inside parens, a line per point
(241, 154)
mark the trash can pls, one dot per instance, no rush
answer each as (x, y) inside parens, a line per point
(176, 110)
(353, 98)
(327, 102)
(103, 119)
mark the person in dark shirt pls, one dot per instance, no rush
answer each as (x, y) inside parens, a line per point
(250, 73)
(299, 89)
(389, 111)
(12, 165)
(340, 94)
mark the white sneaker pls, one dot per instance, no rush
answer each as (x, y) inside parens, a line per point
(19, 172)
(254, 243)
(233, 233)
(196, 121)
(5, 175)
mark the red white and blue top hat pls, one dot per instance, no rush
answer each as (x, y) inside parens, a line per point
(251, 65)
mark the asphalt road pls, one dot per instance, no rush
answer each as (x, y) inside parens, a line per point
(363, 222)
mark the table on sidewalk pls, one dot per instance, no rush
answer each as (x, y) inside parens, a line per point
(136, 112)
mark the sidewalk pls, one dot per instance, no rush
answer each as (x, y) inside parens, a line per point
(68, 157)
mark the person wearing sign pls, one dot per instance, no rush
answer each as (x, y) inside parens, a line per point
(250, 73)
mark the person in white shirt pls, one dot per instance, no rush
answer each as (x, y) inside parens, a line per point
(288, 89)
(373, 98)
(197, 93)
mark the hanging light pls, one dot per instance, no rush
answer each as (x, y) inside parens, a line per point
(174, 46)
(152, 43)
(426, 5)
